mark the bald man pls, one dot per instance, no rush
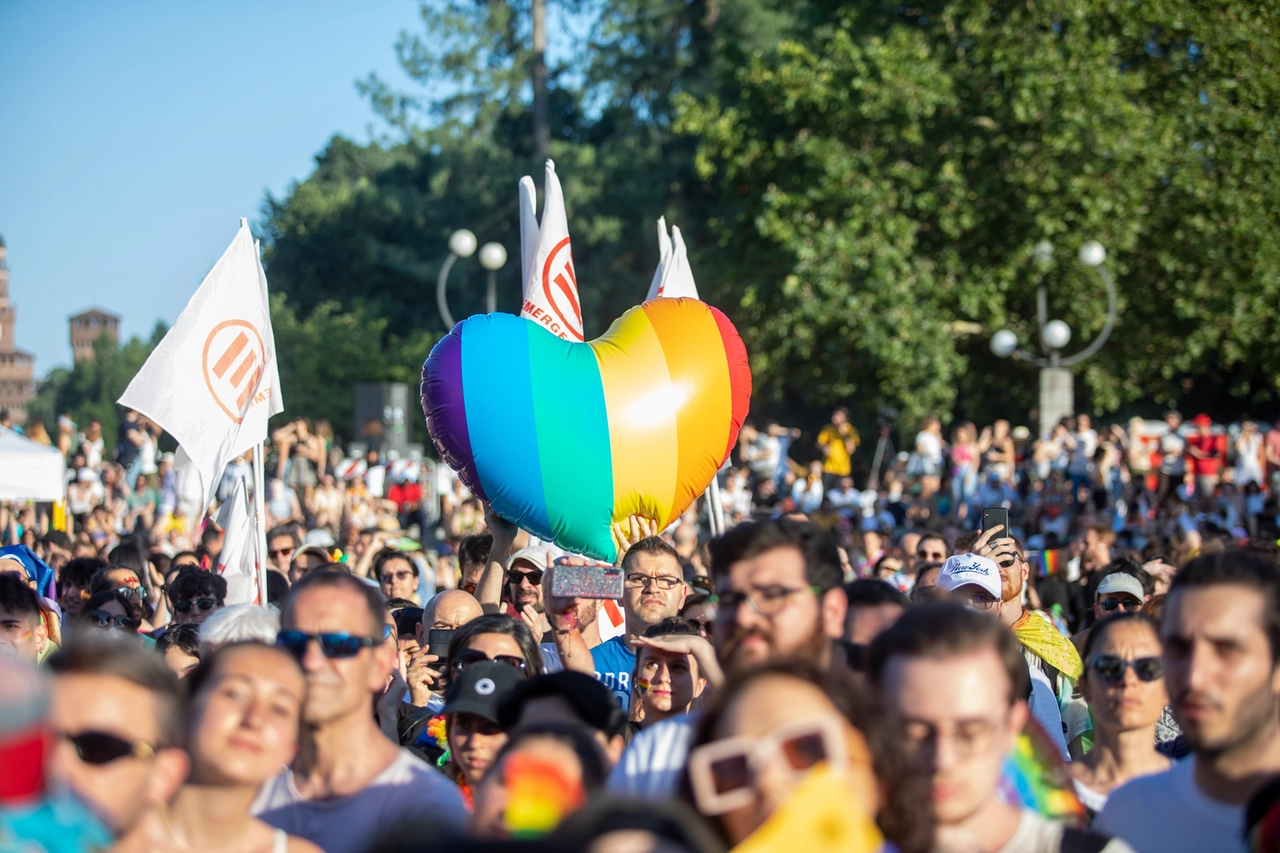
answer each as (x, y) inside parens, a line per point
(447, 610)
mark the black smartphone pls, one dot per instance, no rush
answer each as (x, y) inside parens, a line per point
(438, 643)
(993, 516)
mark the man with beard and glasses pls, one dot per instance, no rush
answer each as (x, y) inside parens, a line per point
(349, 781)
(1221, 637)
(779, 587)
(1043, 645)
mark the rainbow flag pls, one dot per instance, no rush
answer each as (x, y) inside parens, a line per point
(539, 795)
(1035, 777)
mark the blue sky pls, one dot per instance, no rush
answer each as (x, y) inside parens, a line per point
(133, 135)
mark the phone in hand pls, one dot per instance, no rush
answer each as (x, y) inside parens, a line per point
(993, 516)
(438, 644)
(599, 581)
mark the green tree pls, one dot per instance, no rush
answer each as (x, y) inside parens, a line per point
(889, 171)
(90, 388)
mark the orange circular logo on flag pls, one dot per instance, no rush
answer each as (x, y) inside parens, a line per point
(233, 359)
(560, 286)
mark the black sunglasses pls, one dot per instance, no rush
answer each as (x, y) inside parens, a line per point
(1111, 668)
(103, 619)
(466, 657)
(333, 645)
(1109, 604)
(103, 748)
(534, 577)
(203, 603)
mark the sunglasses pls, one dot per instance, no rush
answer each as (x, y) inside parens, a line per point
(132, 592)
(1110, 604)
(332, 645)
(534, 577)
(103, 748)
(204, 604)
(281, 552)
(103, 619)
(1111, 668)
(722, 772)
(466, 657)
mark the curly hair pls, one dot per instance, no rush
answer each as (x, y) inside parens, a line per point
(902, 817)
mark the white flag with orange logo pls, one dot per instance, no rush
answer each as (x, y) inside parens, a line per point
(212, 382)
(550, 283)
(673, 277)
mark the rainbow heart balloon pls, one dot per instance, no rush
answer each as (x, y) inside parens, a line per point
(564, 438)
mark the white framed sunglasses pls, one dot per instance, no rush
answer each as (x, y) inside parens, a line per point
(722, 772)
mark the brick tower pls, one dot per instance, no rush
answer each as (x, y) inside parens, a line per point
(17, 384)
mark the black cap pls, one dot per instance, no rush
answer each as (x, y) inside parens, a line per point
(480, 687)
(592, 702)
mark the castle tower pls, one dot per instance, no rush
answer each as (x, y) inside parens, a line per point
(17, 384)
(87, 327)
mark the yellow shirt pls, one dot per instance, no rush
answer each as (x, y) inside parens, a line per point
(833, 437)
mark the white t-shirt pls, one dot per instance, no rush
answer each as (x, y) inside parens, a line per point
(1039, 835)
(929, 446)
(408, 789)
(1167, 813)
(652, 765)
(1044, 707)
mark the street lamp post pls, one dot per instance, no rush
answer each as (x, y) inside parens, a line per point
(493, 257)
(1057, 392)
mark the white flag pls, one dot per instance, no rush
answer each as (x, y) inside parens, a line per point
(673, 277)
(550, 283)
(213, 382)
(238, 562)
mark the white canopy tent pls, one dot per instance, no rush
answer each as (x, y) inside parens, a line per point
(29, 471)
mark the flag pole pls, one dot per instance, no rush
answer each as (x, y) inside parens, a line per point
(259, 522)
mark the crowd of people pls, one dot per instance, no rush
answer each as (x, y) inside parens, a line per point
(996, 644)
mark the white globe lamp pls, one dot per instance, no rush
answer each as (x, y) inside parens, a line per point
(1003, 343)
(462, 243)
(1056, 334)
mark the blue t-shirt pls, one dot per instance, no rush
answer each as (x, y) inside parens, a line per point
(614, 663)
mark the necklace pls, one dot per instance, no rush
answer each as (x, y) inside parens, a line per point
(164, 816)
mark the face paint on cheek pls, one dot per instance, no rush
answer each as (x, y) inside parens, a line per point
(642, 684)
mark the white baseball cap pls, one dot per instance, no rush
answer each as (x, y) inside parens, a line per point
(970, 570)
(1121, 582)
(536, 554)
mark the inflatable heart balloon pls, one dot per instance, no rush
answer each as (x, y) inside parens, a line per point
(564, 438)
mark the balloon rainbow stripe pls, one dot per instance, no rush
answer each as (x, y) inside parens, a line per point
(636, 422)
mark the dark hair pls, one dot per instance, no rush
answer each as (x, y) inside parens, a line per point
(1242, 568)
(159, 561)
(407, 619)
(870, 592)
(385, 556)
(496, 623)
(200, 674)
(321, 576)
(284, 530)
(95, 653)
(18, 598)
(178, 556)
(209, 534)
(933, 535)
(900, 817)
(749, 539)
(591, 701)
(693, 599)
(474, 550)
(79, 572)
(395, 604)
(130, 555)
(185, 637)
(595, 769)
(194, 583)
(921, 569)
(101, 583)
(649, 545)
(943, 629)
(670, 820)
(672, 626)
(100, 598)
(1106, 623)
(277, 586)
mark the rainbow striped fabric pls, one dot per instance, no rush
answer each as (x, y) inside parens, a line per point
(564, 438)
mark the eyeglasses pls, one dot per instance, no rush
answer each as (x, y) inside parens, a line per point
(392, 577)
(466, 657)
(534, 577)
(967, 736)
(722, 772)
(104, 748)
(703, 625)
(765, 600)
(976, 600)
(1110, 604)
(281, 552)
(931, 556)
(332, 645)
(132, 592)
(636, 580)
(205, 604)
(1111, 668)
(103, 619)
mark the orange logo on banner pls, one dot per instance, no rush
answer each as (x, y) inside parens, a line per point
(562, 296)
(233, 359)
